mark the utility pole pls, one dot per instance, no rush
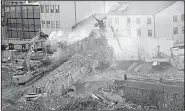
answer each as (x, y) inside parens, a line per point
(22, 22)
(75, 11)
(104, 6)
(89, 8)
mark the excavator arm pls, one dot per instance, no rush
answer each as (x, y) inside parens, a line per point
(116, 37)
(26, 63)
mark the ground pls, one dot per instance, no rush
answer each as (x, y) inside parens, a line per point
(12, 94)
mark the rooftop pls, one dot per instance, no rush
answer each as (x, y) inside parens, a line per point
(140, 7)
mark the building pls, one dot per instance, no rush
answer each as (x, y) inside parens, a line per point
(169, 22)
(20, 21)
(155, 19)
(62, 15)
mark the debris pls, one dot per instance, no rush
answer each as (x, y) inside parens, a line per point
(94, 96)
(139, 107)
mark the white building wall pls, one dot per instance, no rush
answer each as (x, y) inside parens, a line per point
(164, 22)
(66, 15)
(133, 25)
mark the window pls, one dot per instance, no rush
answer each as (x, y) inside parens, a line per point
(138, 20)
(182, 29)
(128, 20)
(43, 23)
(175, 18)
(150, 33)
(57, 24)
(47, 8)
(57, 9)
(175, 30)
(182, 17)
(42, 8)
(116, 20)
(149, 21)
(52, 24)
(138, 32)
(52, 8)
(129, 32)
(110, 20)
(48, 24)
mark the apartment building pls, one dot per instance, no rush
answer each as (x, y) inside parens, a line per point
(155, 19)
(169, 22)
(62, 15)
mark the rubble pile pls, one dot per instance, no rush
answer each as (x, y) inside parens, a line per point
(72, 67)
(106, 75)
(103, 98)
(76, 61)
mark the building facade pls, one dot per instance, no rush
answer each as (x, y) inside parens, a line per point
(20, 20)
(169, 22)
(155, 19)
(62, 15)
(132, 25)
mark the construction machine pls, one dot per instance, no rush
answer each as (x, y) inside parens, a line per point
(26, 72)
(64, 83)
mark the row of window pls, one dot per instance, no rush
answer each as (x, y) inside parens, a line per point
(138, 20)
(50, 24)
(175, 30)
(149, 20)
(138, 32)
(49, 8)
(175, 18)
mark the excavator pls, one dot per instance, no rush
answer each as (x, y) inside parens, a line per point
(26, 72)
(67, 84)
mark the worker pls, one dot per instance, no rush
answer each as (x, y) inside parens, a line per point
(16, 61)
(9, 58)
(125, 76)
(23, 47)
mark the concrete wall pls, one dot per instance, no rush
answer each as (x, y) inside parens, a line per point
(130, 47)
(133, 25)
(164, 22)
(150, 45)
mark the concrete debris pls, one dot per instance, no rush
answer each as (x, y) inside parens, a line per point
(74, 69)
